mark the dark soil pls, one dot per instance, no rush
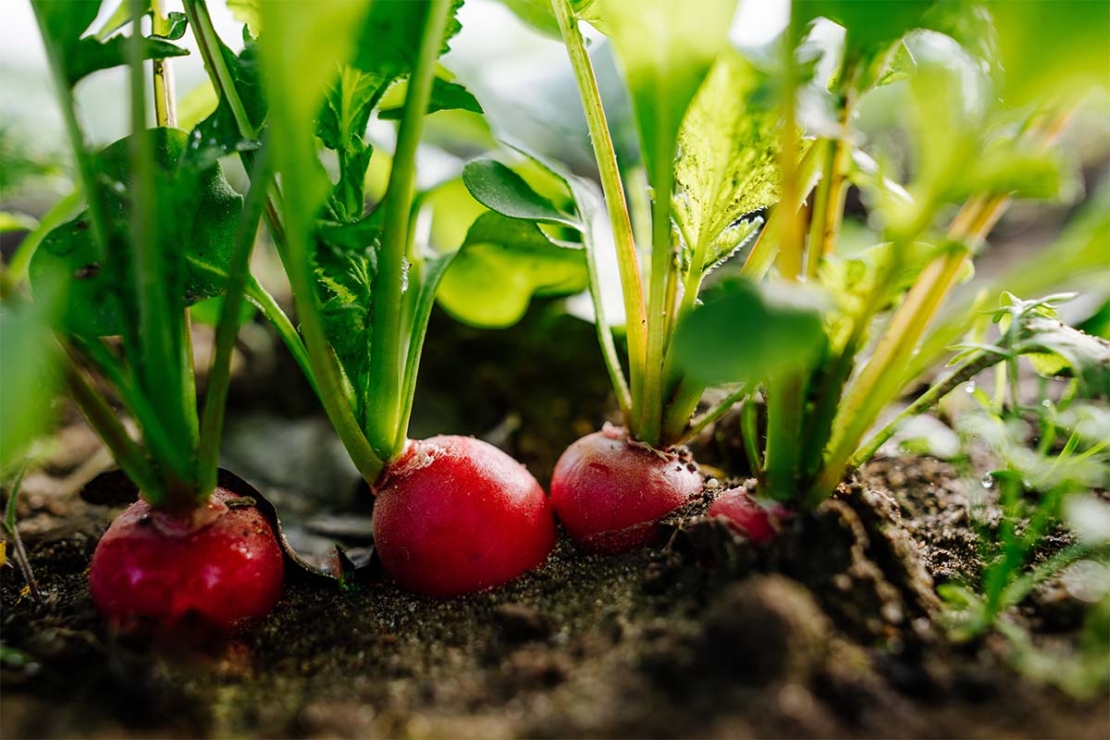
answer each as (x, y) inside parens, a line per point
(832, 631)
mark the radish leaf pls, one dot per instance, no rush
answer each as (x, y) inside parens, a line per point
(782, 333)
(200, 212)
(501, 190)
(501, 265)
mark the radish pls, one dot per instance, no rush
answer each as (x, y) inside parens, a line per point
(746, 516)
(456, 515)
(215, 567)
(610, 492)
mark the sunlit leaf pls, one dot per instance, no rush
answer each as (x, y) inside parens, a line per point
(727, 157)
(750, 332)
(500, 189)
(1052, 50)
(446, 95)
(501, 265)
(666, 49)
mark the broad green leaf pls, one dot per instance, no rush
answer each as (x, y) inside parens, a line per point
(218, 135)
(503, 191)
(65, 23)
(29, 357)
(1052, 51)
(871, 27)
(199, 213)
(390, 37)
(749, 332)
(446, 95)
(727, 165)
(501, 265)
(666, 49)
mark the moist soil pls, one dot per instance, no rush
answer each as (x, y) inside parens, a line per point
(832, 630)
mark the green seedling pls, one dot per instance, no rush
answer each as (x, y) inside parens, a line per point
(815, 336)
(452, 514)
(160, 229)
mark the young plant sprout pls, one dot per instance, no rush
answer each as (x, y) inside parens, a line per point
(453, 515)
(720, 139)
(161, 230)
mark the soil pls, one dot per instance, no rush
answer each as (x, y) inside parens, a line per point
(833, 630)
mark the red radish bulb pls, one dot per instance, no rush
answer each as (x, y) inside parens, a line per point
(455, 515)
(746, 516)
(169, 571)
(610, 492)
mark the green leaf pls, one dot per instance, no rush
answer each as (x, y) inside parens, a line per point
(119, 18)
(207, 312)
(342, 128)
(65, 23)
(29, 356)
(728, 158)
(871, 27)
(199, 212)
(1053, 51)
(503, 191)
(501, 265)
(537, 14)
(1055, 348)
(446, 95)
(178, 24)
(390, 37)
(666, 48)
(218, 135)
(782, 333)
(345, 270)
(248, 12)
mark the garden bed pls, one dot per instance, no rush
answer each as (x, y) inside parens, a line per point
(832, 631)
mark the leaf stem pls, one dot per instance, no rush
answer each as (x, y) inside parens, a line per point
(163, 353)
(208, 41)
(388, 358)
(219, 376)
(966, 370)
(604, 331)
(612, 187)
(268, 305)
(713, 414)
(165, 104)
(98, 212)
(102, 418)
